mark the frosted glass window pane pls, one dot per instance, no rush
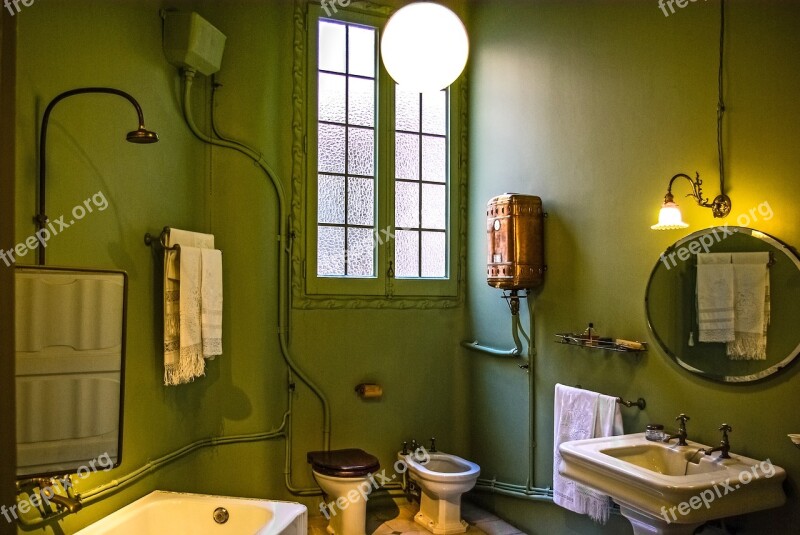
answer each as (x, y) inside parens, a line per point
(362, 51)
(434, 207)
(434, 159)
(361, 110)
(332, 47)
(406, 253)
(331, 97)
(330, 149)
(330, 251)
(406, 205)
(406, 156)
(434, 113)
(360, 201)
(360, 151)
(360, 252)
(330, 192)
(406, 109)
(433, 254)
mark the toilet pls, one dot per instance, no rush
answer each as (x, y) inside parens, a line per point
(443, 478)
(343, 475)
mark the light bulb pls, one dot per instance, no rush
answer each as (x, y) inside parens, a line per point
(424, 47)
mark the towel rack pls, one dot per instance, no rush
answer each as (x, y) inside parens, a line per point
(641, 403)
(150, 240)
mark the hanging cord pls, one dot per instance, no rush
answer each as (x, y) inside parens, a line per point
(720, 100)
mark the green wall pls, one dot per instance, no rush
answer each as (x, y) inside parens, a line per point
(590, 105)
(182, 183)
(593, 106)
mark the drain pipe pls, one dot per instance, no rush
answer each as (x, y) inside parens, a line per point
(285, 240)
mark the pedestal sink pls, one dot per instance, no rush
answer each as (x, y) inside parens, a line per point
(669, 489)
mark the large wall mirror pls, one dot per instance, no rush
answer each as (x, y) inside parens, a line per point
(70, 354)
(672, 304)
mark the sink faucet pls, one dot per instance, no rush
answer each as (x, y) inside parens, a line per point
(724, 445)
(681, 434)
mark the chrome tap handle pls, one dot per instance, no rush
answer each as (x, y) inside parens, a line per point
(433, 445)
(682, 418)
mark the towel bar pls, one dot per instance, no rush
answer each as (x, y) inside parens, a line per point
(641, 403)
(150, 240)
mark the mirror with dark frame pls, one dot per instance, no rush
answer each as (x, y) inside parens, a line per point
(671, 305)
(70, 361)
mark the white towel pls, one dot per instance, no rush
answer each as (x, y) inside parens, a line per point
(211, 303)
(580, 414)
(184, 289)
(715, 297)
(751, 307)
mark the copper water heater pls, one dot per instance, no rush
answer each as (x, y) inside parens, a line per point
(515, 234)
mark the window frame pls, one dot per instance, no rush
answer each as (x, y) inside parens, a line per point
(382, 290)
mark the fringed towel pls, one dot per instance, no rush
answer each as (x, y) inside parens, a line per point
(751, 307)
(186, 283)
(715, 297)
(211, 302)
(580, 414)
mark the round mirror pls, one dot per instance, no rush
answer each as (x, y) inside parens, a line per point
(672, 303)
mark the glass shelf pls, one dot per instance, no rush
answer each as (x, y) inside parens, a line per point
(597, 343)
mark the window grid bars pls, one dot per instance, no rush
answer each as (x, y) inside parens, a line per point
(419, 229)
(346, 175)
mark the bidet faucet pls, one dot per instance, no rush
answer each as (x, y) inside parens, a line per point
(724, 445)
(681, 434)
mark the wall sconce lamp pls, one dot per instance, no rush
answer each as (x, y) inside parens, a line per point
(424, 47)
(670, 215)
(140, 136)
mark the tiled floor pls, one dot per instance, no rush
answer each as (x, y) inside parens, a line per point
(400, 521)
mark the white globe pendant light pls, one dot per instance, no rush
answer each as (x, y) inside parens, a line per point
(424, 47)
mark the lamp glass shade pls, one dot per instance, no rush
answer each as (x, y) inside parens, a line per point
(669, 218)
(424, 47)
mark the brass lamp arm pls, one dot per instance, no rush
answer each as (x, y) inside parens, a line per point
(720, 206)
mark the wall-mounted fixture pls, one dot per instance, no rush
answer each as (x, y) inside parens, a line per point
(140, 136)
(424, 47)
(669, 217)
(515, 260)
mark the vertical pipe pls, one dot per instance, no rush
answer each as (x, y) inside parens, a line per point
(532, 390)
(283, 254)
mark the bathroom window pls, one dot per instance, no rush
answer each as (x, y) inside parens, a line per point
(380, 187)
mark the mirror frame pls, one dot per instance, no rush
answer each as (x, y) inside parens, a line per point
(123, 355)
(781, 246)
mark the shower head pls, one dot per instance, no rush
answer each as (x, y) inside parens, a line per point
(141, 136)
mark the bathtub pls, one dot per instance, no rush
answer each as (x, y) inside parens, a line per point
(177, 513)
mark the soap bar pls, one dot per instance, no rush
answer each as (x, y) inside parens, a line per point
(629, 344)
